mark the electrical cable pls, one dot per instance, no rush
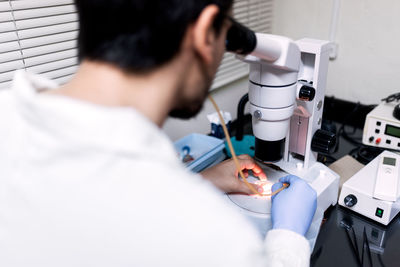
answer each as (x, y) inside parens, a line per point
(392, 97)
(240, 116)
(228, 139)
(363, 153)
(342, 129)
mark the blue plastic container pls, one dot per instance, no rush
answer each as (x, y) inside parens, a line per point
(204, 149)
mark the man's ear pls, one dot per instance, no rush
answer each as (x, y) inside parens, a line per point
(204, 35)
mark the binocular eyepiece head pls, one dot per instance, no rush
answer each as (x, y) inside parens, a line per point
(240, 39)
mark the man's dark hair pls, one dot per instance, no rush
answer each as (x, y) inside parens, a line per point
(138, 35)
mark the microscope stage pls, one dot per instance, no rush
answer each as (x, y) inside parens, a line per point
(257, 209)
(255, 203)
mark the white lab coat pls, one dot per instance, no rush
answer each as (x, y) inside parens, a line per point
(87, 185)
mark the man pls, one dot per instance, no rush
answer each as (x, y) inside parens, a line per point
(89, 179)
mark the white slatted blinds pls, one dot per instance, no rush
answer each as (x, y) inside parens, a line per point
(255, 14)
(39, 36)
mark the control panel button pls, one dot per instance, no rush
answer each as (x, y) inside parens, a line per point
(378, 141)
(378, 123)
(371, 139)
(379, 212)
(388, 142)
(377, 131)
(388, 170)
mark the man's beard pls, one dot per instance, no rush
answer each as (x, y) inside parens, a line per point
(189, 108)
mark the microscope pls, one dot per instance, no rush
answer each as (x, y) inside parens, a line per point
(287, 82)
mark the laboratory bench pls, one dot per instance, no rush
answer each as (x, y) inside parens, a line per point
(342, 242)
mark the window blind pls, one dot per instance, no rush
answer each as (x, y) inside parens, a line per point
(255, 14)
(38, 36)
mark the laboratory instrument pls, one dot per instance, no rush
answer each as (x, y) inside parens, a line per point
(382, 128)
(358, 193)
(286, 91)
(387, 179)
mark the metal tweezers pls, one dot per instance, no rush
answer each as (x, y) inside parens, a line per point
(365, 250)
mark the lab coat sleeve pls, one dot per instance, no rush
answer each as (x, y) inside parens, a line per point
(286, 248)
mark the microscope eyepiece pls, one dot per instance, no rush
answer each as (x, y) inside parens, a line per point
(240, 39)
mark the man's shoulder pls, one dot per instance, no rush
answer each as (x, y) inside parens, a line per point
(6, 95)
(7, 99)
(7, 108)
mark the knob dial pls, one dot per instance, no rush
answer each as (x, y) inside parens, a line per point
(396, 112)
(323, 142)
(306, 93)
(350, 200)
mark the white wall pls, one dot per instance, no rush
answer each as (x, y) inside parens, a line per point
(227, 99)
(368, 63)
(365, 70)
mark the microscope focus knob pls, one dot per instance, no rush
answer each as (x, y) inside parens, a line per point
(323, 142)
(350, 200)
(306, 93)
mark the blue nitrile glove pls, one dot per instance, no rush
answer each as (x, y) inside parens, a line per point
(294, 207)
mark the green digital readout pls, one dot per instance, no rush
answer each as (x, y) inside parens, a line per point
(392, 131)
(389, 161)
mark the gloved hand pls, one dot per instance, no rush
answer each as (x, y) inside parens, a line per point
(293, 208)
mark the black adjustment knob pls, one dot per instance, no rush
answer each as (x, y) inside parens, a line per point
(396, 112)
(323, 142)
(350, 200)
(306, 93)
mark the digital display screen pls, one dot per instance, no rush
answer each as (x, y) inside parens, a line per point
(392, 131)
(389, 161)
